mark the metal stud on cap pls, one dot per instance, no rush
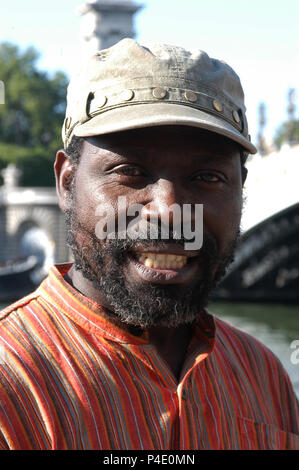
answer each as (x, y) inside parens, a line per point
(218, 106)
(236, 116)
(190, 96)
(100, 101)
(159, 93)
(127, 95)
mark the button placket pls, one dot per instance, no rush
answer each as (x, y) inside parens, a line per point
(182, 391)
(184, 394)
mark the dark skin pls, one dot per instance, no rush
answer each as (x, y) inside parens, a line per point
(156, 167)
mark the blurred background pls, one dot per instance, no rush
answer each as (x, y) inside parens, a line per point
(43, 43)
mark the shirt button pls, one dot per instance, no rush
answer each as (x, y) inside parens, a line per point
(184, 394)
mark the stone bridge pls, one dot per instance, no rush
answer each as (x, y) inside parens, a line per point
(30, 222)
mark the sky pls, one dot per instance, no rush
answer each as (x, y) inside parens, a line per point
(259, 39)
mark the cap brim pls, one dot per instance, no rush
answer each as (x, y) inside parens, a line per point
(159, 114)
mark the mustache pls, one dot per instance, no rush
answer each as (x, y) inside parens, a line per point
(120, 246)
(210, 246)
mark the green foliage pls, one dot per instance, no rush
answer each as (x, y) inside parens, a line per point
(32, 116)
(287, 131)
(36, 163)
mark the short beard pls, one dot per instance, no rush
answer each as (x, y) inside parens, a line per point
(144, 305)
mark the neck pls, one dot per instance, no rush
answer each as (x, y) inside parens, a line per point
(172, 344)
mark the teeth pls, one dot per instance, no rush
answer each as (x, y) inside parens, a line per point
(163, 261)
(149, 263)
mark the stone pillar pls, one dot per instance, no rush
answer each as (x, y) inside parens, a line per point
(105, 22)
(11, 176)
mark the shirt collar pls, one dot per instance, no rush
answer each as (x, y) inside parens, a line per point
(89, 314)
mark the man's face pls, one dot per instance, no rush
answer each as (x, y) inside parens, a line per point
(155, 168)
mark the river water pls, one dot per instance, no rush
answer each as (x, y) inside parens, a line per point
(275, 325)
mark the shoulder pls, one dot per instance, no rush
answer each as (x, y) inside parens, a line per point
(240, 346)
(15, 327)
(15, 306)
(21, 331)
(240, 342)
(247, 356)
(13, 321)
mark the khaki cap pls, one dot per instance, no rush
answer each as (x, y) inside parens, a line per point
(129, 86)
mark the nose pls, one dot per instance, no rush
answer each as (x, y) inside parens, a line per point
(166, 204)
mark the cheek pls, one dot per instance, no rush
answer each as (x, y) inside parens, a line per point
(93, 200)
(222, 217)
(103, 198)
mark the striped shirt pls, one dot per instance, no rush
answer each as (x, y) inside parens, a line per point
(70, 379)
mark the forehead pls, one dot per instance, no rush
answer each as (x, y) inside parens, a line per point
(153, 141)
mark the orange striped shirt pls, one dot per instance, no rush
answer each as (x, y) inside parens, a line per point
(70, 379)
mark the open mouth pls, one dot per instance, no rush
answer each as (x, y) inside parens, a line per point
(162, 260)
(164, 267)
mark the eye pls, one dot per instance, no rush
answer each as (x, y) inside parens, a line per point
(131, 171)
(208, 177)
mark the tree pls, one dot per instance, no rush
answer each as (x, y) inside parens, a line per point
(288, 132)
(32, 116)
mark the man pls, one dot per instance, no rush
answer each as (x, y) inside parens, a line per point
(117, 350)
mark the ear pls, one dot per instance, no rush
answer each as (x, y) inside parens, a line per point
(64, 174)
(244, 171)
(244, 175)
